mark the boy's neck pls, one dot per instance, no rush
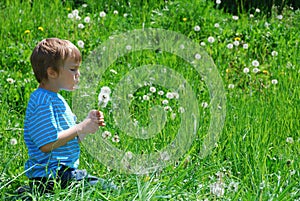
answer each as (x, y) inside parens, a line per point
(47, 86)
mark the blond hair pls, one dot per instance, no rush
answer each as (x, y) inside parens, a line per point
(52, 52)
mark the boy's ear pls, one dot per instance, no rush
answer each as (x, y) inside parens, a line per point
(51, 73)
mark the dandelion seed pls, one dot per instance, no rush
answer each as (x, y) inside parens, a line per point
(87, 19)
(80, 26)
(70, 15)
(236, 43)
(274, 81)
(169, 95)
(181, 110)
(146, 97)
(116, 138)
(13, 141)
(217, 189)
(197, 28)
(10, 80)
(152, 89)
(80, 44)
(211, 39)
(230, 46)
(197, 56)
(290, 140)
(245, 46)
(217, 25)
(230, 86)
(128, 47)
(115, 12)
(106, 134)
(204, 104)
(160, 92)
(274, 53)
(255, 63)
(218, 2)
(165, 102)
(246, 70)
(235, 17)
(255, 70)
(102, 14)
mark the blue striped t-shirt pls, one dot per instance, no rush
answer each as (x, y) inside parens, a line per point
(48, 114)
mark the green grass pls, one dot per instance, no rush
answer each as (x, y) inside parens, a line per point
(253, 149)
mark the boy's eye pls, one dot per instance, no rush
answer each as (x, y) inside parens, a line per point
(73, 69)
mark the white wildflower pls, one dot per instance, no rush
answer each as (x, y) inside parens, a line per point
(10, 80)
(217, 189)
(106, 134)
(245, 46)
(116, 138)
(152, 89)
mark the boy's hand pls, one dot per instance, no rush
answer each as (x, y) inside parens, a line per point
(91, 124)
(97, 116)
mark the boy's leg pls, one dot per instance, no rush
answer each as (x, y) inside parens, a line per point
(41, 185)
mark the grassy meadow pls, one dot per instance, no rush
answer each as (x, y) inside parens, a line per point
(256, 156)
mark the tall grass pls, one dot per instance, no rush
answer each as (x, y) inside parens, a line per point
(257, 155)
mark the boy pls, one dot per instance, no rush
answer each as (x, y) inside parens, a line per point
(50, 130)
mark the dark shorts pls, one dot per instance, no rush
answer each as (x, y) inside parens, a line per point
(65, 176)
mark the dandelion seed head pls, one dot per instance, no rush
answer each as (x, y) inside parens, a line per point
(115, 138)
(230, 86)
(165, 102)
(128, 47)
(106, 134)
(230, 46)
(255, 70)
(102, 14)
(146, 97)
(217, 189)
(197, 56)
(70, 16)
(246, 70)
(211, 39)
(80, 44)
(255, 63)
(87, 19)
(160, 92)
(236, 43)
(218, 2)
(116, 12)
(202, 44)
(152, 89)
(235, 17)
(274, 53)
(169, 95)
(13, 141)
(204, 104)
(289, 140)
(245, 46)
(197, 28)
(217, 25)
(80, 26)
(274, 81)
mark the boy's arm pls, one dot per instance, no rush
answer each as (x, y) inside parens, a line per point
(89, 125)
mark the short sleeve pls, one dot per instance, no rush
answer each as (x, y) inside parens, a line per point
(43, 125)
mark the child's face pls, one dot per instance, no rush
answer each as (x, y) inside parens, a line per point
(69, 74)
